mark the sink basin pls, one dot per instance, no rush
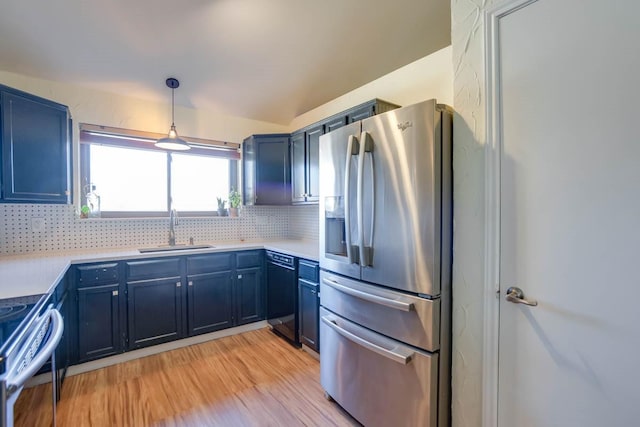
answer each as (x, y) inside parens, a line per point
(173, 248)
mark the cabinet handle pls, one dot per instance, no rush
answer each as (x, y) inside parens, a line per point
(239, 276)
(190, 282)
(178, 284)
(114, 293)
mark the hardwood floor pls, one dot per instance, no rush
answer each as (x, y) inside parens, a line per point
(251, 379)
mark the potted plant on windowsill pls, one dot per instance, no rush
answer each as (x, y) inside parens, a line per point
(221, 209)
(235, 199)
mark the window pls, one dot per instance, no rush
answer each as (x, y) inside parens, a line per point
(134, 178)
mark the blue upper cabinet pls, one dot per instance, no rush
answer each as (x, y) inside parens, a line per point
(36, 149)
(267, 170)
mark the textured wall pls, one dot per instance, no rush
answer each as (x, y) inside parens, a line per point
(468, 193)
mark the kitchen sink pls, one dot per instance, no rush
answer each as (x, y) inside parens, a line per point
(177, 247)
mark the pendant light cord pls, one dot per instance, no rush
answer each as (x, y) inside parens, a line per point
(173, 101)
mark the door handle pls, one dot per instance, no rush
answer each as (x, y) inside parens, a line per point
(16, 378)
(392, 303)
(352, 149)
(402, 355)
(366, 146)
(516, 296)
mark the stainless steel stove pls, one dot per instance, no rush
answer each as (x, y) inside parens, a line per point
(30, 330)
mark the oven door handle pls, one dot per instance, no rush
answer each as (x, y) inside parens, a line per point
(403, 358)
(57, 328)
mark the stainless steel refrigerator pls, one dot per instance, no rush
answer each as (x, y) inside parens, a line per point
(385, 258)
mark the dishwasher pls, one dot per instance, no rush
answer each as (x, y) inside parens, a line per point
(282, 296)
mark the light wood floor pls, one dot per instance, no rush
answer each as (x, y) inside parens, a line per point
(252, 379)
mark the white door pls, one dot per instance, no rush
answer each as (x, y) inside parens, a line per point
(570, 214)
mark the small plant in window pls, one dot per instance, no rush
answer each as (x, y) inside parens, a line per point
(221, 206)
(84, 211)
(235, 199)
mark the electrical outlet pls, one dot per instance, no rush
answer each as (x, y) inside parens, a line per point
(37, 224)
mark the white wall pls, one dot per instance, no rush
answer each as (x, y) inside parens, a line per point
(467, 38)
(96, 107)
(102, 108)
(427, 78)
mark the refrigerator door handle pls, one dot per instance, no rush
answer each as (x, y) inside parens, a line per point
(352, 149)
(369, 246)
(366, 147)
(403, 357)
(392, 303)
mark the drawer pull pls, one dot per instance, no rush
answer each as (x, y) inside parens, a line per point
(398, 305)
(178, 284)
(190, 282)
(402, 358)
(114, 293)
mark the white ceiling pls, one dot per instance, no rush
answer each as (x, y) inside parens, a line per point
(269, 60)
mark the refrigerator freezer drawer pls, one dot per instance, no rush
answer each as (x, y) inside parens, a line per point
(412, 320)
(379, 381)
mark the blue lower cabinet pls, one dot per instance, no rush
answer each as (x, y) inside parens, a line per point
(98, 322)
(209, 303)
(309, 313)
(309, 303)
(155, 312)
(249, 295)
(127, 305)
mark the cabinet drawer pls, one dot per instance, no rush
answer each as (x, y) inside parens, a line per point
(249, 259)
(89, 275)
(209, 263)
(308, 270)
(153, 269)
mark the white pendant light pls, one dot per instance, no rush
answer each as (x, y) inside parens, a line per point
(172, 141)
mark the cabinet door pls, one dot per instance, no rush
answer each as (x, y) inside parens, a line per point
(249, 171)
(298, 168)
(155, 311)
(209, 303)
(98, 322)
(313, 163)
(309, 311)
(249, 295)
(35, 150)
(360, 113)
(335, 123)
(273, 172)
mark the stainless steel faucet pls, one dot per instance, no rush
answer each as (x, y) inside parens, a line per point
(173, 221)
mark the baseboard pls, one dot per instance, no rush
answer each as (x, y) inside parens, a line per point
(311, 352)
(148, 351)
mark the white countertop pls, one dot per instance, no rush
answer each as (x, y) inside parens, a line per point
(38, 273)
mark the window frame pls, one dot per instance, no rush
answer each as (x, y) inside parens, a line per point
(125, 138)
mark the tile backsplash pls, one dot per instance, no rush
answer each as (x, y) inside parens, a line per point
(64, 231)
(304, 222)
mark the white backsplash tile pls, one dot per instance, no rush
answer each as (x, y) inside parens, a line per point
(304, 222)
(64, 231)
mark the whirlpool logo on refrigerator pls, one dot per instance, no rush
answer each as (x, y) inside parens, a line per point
(404, 125)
